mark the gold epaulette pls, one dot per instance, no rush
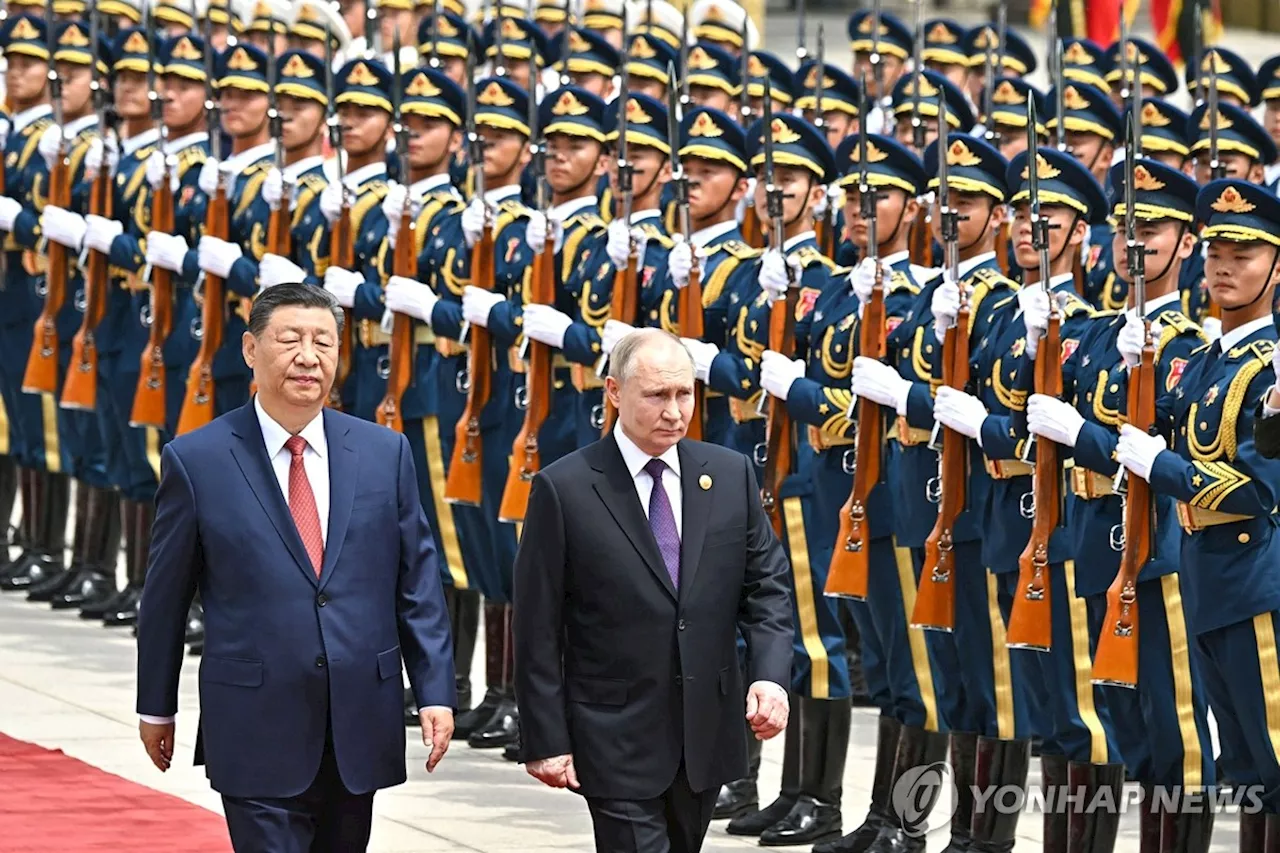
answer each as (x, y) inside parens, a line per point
(371, 195)
(653, 233)
(192, 155)
(737, 249)
(807, 256)
(900, 281)
(1174, 324)
(840, 272)
(308, 189)
(985, 282)
(514, 207)
(33, 140)
(1076, 306)
(1262, 350)
(251, 189)
(588, 220)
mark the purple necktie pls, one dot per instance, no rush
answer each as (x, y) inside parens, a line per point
(663, 521)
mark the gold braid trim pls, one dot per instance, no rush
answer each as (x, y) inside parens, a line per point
(838, 424)
(1105, 416)
(1235, 402)
(714, 285)
(1223, 480)
(832, 366)
(250, 192)
(921, 366)
(1011, 399)
(569, 251)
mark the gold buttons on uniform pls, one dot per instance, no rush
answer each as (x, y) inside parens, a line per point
(1244, 538)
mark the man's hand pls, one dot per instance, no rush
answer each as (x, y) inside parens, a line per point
(767, 709)
(554, 772)
(158, 740)
(437, 731)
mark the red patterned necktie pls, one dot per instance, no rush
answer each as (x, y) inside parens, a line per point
(302, 504)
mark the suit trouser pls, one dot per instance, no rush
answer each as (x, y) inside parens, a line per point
(1074, 719)
(674, 822)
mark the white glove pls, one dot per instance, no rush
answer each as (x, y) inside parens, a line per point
(1130, 339)
(100, 231)
(331, 201)
(63, 227)
(4, 132)
(392, 207)
(343, 284)
(477, 303)
(49, 142)
(962, 412)
(945, 306)
(93, 157)
(614, 331)
(703, 354)
(777, 373)
(774, 277)
(273, 188)
(1055, 420)
(1275, 367)
(820, 209)
(112, 153)
(208, 180)
(216, 256)
(155, 172)
(473, 221)
(1212, 327)
(863, 279)
(878, 381)
(546, 324)
(166, 251)
(618, 244)
(407, 296)
(680, 260)
(275, 269)
(1137, 451)
(9, 210)
(1034, 303)
(535, 232)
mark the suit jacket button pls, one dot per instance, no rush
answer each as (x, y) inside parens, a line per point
(680, 625)
(320, 662)
(679, 681)
(322, 599)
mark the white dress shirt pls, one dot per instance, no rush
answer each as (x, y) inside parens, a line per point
(315, 459)
(636, 459)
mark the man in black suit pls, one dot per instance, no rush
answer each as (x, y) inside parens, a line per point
(643, 556)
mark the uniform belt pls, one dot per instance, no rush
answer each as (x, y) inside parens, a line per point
(1007, 469)
(710, 394)
(908, 436)
(370, 334)
(584, 377)
(449, 348)
(745, 410)
(1090, 485)
(1194, 518)
(820, 440)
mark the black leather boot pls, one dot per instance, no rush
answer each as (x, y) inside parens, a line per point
(8, 499)
(1253, 832)
(998, 764)
(824, 742)
(964, 747)
(1053, 781)
(916, 748)
(195, 628)
(470, 721)
(756, 822)
(740, 796)
(881, 812)
(511, 752)
(51, 543)
(29, 487)
(96, 580)
(1188, 832)
(1150, 818)
(503, 727)
(53, 585)
(464, 622)
(1095, 819)
(126, 610)
(96, 610)
(1272, 841)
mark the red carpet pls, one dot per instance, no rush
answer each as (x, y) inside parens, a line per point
(51, 803)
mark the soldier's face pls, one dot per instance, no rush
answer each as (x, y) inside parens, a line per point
(315, 47)
(978, 214)
(518, 71)
(1271, 119)
(708, 96)
(893, 208)
(505, 153)
(455, 68)
(353, 14)
(183, 100)
(363, 128)
(393, 20)
(431, 141)
(572, 161)
(301, 120)
(76, 89)
(130, 92)
(905, 133)
(173, 29)
(1091, 150)
(892, 70)
(650, 171)
(800, 192)
(1011, 140)
(1164, 240)
(613, 36)
(550, 29)
(713, 186)
(243, 113)
(26, 77)
(220, 33)
(836, 125)
(647, 86)
(1236, 273)
(1235, 164)
(272, 43)
(956, 73)
(1061, 232)
(597, 84)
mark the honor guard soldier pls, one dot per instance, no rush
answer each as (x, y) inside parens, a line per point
(1008, 119)
(1086, 61)
(944, 50)
(907, 104)
(268, 26)
(1237, 84)
(80, 61)
(1205, 458)
(46, 491)
(175, 17)
(720, 23)
(590, 62)
(1017, 60)
(552, 17)
(1154, 71)
(893, 47)
(520, 38)
(661, 19)
(1164, 133)
(713, 78)
(313, 22)
(1072, 716)
(605, 18)
(762, 65)
(1162, 725)
(840, 99)
(364, 112)
(449, 46)
(227, 23)
(123, 13)
(1269, 95)
(648, 65)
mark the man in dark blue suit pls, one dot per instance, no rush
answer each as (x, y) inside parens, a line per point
(302, 529)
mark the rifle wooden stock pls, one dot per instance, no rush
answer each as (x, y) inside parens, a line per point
(80, 387)
(342, 254)
(41, 376)
(525, 452)
(752, 231)
(936, 599)
(463, 485)
(198, 406)
(1030, 621)
(691, 326)
(624, 306)
(779, 430)
(851, 561)
(1116, 659)
(149, 400)
(400, 352)
(921, 239)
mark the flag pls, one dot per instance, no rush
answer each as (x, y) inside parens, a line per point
(1098, 20)
(1174, 24)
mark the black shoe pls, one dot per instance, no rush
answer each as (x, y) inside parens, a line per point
(1094, 830)
(1187, 832)
(476, 718)
(125, 611)
(97, 610)
(53, 585)
(736, 798)
(808, 822)
(411, 718)
(195, 623)
(502, 730)
(39, 568)
(755, 823)
(91, 585)
(861, 839)
(511, 752)
(964, 747)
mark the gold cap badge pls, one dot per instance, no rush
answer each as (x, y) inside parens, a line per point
(1144, 180)
(1232, 202)
(569, 105)
(362, 76)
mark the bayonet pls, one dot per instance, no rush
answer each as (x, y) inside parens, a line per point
(156, 103)
(684, 65)
(55, 82)
(819, 116)
(397, 119)
(802, 52)
(1056, 77)
(1126, 70)
(1216, 167)
(877, 64)
(372, 30)
(624, 167)
(537, 145)
(274, 121)
(744, 98)
(1197, 47)
(675, 118)
(917, 67)
(1039, 223)
(433, 55)
(950, 217)
(499, 42)
(773, 193)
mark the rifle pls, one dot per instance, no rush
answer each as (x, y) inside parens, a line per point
(625, 302)
(850, 564)
(342, 248)
(1216, 167)
(400, 351)
(1116, 659)
(372, 30)
(689, 309)
(779, 444)
(80, 386)
(433, 56)
(936, 600)
(41, 376)
(198, 407)
(877, 65)
(752, 230)
(499, 42)
(1055, 79)
(149, 399)
(921, 246)
(825, 226)
(1030, 622)
(463, 484)
(1197, 47)
(536, 397)
(802, 52)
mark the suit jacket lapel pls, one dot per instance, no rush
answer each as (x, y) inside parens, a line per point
(696, 506)
(618, 492)
(343, 465)
(251, 455)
